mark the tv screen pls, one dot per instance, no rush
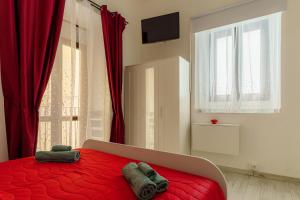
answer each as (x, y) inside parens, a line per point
(161, 28)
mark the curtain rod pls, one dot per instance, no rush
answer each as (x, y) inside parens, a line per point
(97, 6)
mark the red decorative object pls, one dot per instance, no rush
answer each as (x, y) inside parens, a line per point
(113, 25)
(30, 32)
(214, 121)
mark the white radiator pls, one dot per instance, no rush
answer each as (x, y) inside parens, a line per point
(219, 138)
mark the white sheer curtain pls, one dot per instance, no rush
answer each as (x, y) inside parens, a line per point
(238, 67)
(99, 109)
(76, 104)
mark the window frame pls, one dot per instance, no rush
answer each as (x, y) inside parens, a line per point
(268, 100)
(237, 82)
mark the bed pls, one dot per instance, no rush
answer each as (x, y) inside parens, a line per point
(98, 175)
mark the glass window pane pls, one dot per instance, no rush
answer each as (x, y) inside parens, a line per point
(70, 81)
(224, 65)
(70, 133)
(44, 136)
(251, 62)
(45, 108)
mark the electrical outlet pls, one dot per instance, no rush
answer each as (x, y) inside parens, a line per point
(252, 167)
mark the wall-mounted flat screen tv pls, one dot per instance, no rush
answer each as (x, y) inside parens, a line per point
(161, 28)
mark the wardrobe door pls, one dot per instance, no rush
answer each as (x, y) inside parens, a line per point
(135, 107)
(128, 105)
(168, 98)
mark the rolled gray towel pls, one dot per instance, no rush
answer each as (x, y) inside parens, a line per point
(61, 147)
(59, 156)
(160, 181)
(147, 170)
(141, 185)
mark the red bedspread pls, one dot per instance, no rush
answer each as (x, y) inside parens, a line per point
(96, 176)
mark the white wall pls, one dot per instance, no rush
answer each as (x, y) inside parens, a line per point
(272, 141)
(187, 9)
(131, 37)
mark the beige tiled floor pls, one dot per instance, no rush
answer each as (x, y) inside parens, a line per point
(243, 187)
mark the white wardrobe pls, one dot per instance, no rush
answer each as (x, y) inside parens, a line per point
(157, 105)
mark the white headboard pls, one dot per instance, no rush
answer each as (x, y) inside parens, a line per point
(194, 165)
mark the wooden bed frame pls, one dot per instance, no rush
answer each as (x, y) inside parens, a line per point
(194, 165)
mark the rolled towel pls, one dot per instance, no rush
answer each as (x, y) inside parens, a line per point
(147, 170)
(141, 185)
(60, 147)
(160, 181)
(59, 156)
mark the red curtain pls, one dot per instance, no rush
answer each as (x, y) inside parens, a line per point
(113, 25)
(28, 41)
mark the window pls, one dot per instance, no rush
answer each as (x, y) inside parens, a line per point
(238, 67)
(77, 102)
(60, 107)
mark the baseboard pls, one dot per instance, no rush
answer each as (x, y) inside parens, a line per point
(259, 174)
